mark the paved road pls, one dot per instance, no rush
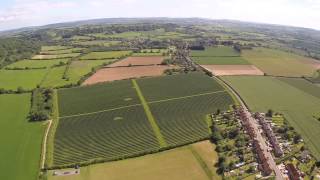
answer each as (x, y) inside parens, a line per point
(260, 138)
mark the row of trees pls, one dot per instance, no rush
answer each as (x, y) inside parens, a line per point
(41, 104)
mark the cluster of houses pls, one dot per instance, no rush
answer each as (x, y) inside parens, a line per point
(263, 166)
(278, 152)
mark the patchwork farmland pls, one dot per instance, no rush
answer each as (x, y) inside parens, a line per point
(152, 118)
(224, 61)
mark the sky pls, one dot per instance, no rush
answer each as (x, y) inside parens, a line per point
(23, 13)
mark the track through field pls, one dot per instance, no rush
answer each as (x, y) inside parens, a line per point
(150, 117)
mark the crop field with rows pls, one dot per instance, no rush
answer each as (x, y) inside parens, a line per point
(96, 121)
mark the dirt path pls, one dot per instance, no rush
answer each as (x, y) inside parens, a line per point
(44, 146)
(259, 137)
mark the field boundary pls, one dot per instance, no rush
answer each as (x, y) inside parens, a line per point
(185, 97)
(101, 111)
(203, 165)
(48, 161)
(150, 117)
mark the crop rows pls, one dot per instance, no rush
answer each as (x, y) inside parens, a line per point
(107, 121)
(96, 97)
(182, 121)
(104, 135)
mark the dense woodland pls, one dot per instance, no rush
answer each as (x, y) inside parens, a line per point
(17, 48)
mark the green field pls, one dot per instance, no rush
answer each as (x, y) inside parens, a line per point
(78, 69)
(105, 55)
(220, 60)
(199, 158)
(97, 43)
(278, 63)
(62, 51)
(55, 56)
(54, 48)
(20, 139)
(27, 79)
(219, 51)
(104, 115)
(36, 63)
(53, 77)
(296, 102)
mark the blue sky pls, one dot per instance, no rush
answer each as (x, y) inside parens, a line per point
(22, 13)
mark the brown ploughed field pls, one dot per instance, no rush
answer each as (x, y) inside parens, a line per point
(119, 73)
(134, 61)
(224, 70)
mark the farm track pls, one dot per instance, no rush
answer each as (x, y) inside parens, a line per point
(150, 117)
(151, 102)
(44, 147)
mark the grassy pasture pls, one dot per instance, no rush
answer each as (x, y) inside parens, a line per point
(127, 35)
(105, 55)
(171, 164)
(220, 60)
(54, 48)
(54, 77)
(263, 93)
(62, 51)
(55, 56)
(219, 51)
(27, 79)
(96, 43)
(20, 139)
(303, 85)
(77, 38)
(279, 63)
(36, 63)
(178, 115)
(78, 69)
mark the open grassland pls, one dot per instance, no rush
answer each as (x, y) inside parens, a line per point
(54, 77)
(263, 93)
(105, 55)
(134, 61)
(303, 85)
(20, 139)
(36, 63)
(78, 69)
(102, 117)
(180, 163)
(221, 60)
(316, 78)
(126, 35)
(219, 51)
(54, 48)
(63, 51)
(96, 43)
(55, 56)
(27, 79)
(80, 38)
(279, 63)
